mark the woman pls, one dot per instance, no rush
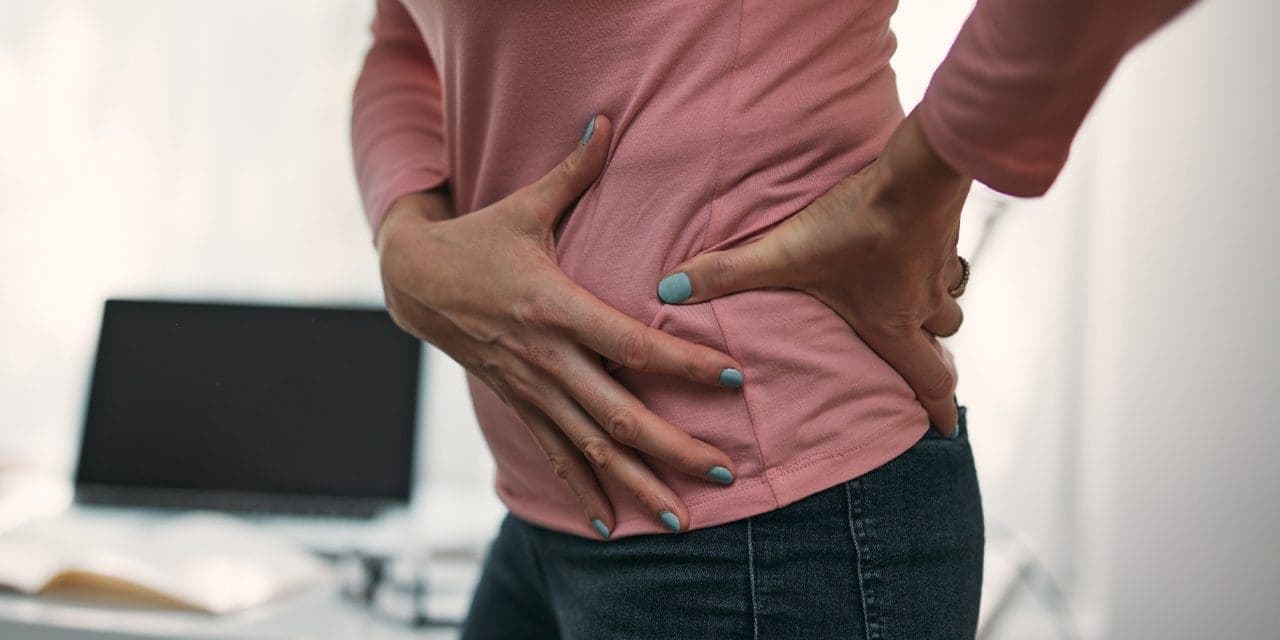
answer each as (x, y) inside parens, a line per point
(772, 403)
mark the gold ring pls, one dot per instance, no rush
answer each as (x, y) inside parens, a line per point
(958, 290)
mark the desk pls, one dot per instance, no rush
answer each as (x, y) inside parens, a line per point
(320, 612)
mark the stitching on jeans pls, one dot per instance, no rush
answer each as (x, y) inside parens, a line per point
(535, 553)
(751, 580)
(857, 552)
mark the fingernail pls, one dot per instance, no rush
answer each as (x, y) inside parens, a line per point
(591, 128)
(721, 475)
(675, 288)
(955, 432)
(731, 378)
(670, 520)
(600, 528)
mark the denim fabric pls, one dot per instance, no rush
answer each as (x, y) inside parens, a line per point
(895, 554)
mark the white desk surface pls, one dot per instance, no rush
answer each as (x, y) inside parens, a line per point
(319, 613)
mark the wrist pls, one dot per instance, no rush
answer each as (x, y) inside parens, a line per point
(915, 181)
(414, 208)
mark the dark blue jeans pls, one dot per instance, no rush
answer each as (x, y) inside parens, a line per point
(894, 554)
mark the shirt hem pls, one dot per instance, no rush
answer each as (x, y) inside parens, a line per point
(775, 488)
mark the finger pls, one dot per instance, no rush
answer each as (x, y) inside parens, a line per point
(569, 466)
(911, 354)
(719, 273)
(946, 321)
(609, 457)
(634, 345)
(556, 191)
(629, 422)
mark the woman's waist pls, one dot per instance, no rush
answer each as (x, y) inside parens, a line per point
(812, 388)
(817, 407)
(807, 377)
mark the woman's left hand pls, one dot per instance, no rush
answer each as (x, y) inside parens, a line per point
(879, 248)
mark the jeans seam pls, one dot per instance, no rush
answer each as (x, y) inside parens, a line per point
(751, 581)
(540, 569)
(858, 550)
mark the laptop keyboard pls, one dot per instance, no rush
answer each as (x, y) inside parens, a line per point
(248, 503)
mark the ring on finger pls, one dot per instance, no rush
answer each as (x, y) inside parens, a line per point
(958, 290)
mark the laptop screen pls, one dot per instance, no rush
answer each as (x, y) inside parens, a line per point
(196, 400)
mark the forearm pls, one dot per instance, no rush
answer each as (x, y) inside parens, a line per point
(1009, 98)
(913, 180)
(397, 122)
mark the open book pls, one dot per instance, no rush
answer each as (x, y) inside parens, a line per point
(206, 562)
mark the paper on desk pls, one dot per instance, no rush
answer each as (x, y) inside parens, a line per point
(208, 562)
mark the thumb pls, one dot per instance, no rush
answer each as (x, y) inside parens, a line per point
(556, 191)
(720, 273)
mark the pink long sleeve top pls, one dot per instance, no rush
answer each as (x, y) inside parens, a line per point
(729, 116)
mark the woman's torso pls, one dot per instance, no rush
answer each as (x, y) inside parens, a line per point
(728, 118)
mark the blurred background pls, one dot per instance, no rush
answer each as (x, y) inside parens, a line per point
(1118, 359)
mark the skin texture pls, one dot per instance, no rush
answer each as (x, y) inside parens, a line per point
(879, 248)
(485, 288)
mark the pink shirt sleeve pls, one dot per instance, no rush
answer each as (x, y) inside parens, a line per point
(397, 120)
(1006, 102)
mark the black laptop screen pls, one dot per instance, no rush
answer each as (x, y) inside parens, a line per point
(251, 400)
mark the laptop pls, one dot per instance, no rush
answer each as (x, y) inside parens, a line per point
(301, 418)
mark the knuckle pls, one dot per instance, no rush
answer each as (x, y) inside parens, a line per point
(940, 384)
(561, 466)
(697, 367)
(504, 392)
(519, 386)
(542, 355)
(598, 452)
(525, 311)
(542, 310)
(522, 388)
(953, 326)
(535, 202)
(724, 271)
(686, 458)
(635, 348)
(621, 423)
(568, 168)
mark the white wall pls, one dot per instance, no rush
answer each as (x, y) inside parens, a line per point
(178, 149)
(1182, 377)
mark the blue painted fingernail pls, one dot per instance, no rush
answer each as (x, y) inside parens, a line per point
(600, 528)
(721, 475)
(955, 431)
(670, 520)
(731, 378)
(675, 288)
(591, 128)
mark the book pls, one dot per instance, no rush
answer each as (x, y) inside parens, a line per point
(200, 561)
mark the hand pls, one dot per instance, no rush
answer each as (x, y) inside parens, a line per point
(485, 288)
(879, 249)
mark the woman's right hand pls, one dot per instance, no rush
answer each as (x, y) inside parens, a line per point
(485, 288)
